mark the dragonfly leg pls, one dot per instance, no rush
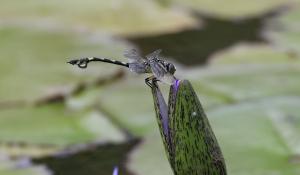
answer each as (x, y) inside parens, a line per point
(150, 81)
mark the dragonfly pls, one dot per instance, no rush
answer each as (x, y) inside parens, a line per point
(152, 63)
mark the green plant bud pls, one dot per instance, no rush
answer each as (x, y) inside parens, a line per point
(190, 143)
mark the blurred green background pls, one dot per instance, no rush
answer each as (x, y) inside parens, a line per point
(242, 57)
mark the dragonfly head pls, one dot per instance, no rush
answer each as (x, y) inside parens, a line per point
(170, 68)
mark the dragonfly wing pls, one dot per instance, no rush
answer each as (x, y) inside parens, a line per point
(157, 66)
(139, 68)
(133, 56)
(158, 69)
(154, 55)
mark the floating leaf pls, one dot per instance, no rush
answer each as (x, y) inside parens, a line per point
(13, 167)
(245, 54)
(117, 16)
(149, 157)
(284, 32)
(52, 126)
(252, 143)
(251, 81)
(230, 8)
(122, 105)
(33, 62)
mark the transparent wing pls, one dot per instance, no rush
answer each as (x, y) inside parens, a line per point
(138, 68)
(157, 66)
(154, 55)
(133, 56)
(136, 61)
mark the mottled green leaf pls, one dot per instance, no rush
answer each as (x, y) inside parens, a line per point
(194, 146)
(189, 141)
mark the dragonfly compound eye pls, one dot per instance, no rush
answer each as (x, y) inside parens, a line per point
(171, 68)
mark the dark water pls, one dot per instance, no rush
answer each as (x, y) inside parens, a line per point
(195, 46)
(93, 160)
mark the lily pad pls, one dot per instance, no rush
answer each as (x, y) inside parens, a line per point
(116, 16)
(150, 157)
(12, 167)
(52, 126)
(25, 171)
(230, 8)
(128, 103)
(249, 72)
(284, 32)
(253, 54)
(33, 62)
(258, 141)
